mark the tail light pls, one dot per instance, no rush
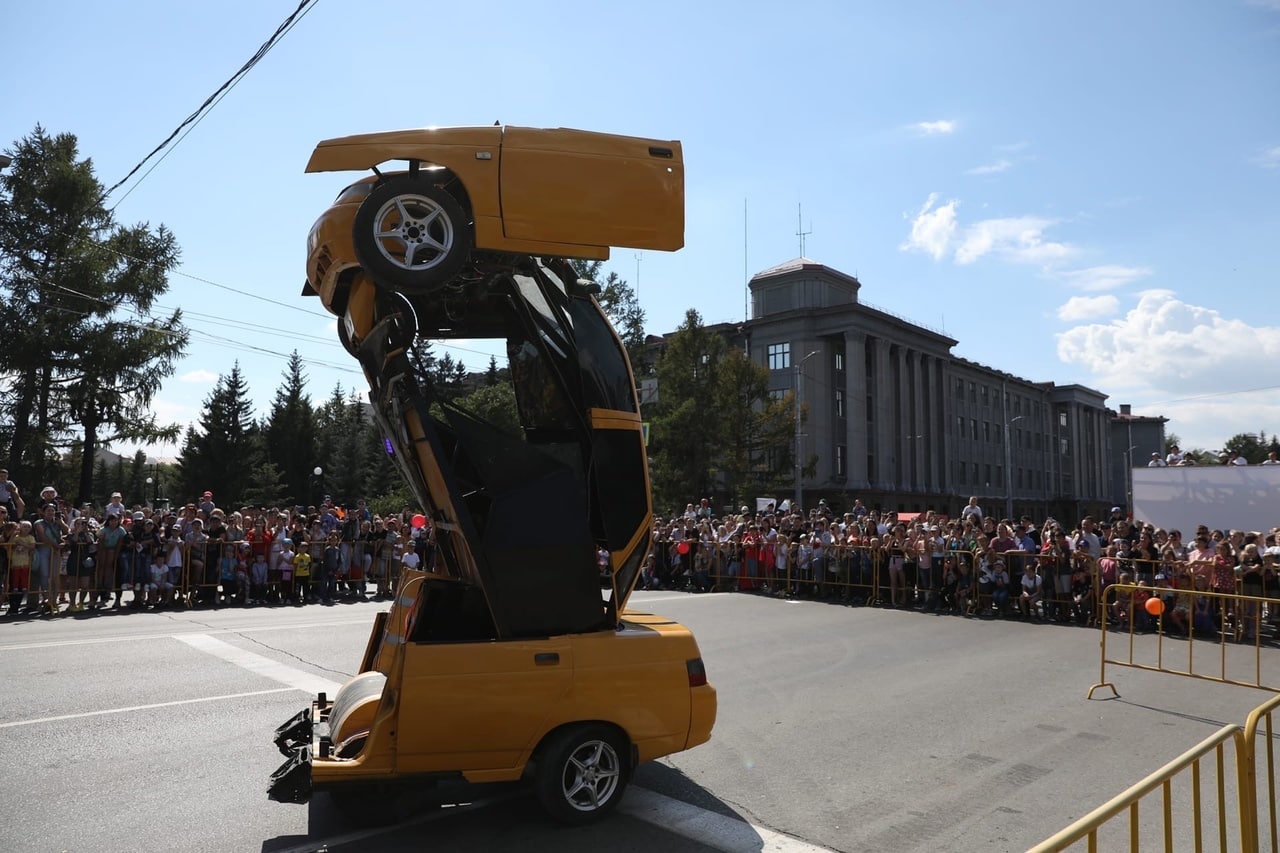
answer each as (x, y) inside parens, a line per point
(697, 672)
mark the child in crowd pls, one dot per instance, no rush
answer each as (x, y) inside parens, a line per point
(23, 546)
(258, 578)
(302, 572)
(330, 567)
(227, 574)
(286, 564)
(159, 586)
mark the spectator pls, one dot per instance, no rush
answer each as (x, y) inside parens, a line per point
(11, 497)
(49, 533)
(22, 545)
(80, 565)
(1031, 592)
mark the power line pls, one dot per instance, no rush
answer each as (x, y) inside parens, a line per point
(210, 102)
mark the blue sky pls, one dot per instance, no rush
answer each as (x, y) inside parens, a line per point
(1078, 192)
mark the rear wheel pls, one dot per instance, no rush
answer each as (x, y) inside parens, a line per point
(411, 235)
(582, 773)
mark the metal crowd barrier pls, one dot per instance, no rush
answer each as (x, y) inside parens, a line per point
(83, 580)
(1200, 801)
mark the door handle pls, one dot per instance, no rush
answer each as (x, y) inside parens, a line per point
(546, 658)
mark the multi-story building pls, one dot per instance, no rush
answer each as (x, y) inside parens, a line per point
(894, 418)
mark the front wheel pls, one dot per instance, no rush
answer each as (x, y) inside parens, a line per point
(411, 235)
(582, 773)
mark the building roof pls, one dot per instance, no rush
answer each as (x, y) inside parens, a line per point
(796, 265)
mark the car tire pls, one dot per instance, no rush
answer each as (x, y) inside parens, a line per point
(582, 773)
(411, 235)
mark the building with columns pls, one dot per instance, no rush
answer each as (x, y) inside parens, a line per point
(897, 420)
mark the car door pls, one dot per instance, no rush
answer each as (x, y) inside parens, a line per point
(592, 189)
(478, 705)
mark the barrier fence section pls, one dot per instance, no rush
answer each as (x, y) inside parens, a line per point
(86, 576)
(1186, 818)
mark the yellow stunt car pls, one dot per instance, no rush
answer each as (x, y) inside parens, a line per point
(559, 193)
(509, 659)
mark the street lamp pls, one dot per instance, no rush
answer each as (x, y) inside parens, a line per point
(799, 394)
(5, 160)
(150, 491)
(1008, 464)
(1128, 477)
(317, 475)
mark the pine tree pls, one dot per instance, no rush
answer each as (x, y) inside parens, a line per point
(83, 357)
(290, 432)
(214, 457)
(685, 426)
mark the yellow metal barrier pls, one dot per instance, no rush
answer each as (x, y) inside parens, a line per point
(1189, 832)
(1231, 620)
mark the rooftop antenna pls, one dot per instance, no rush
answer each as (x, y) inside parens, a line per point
(800, 232)
(746, 271)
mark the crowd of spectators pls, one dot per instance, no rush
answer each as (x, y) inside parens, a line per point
(977, 564)
(56, 558)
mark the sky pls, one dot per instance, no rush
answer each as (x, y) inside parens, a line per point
(1077, 192)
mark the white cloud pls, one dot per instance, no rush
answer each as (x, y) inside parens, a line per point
(199, 376)
(1105, 277)
(995, 168)
(936, 128)
(936, 232)
(1087, 308)
(1175, 349)
(1019, 239)
(1270, 158)
(932, 231)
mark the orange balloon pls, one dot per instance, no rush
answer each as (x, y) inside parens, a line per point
(1155, 606)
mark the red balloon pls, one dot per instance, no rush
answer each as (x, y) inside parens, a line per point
(418, 521)
(1155, 606)
(683, 547)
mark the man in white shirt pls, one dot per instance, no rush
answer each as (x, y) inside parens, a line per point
(1156, 461)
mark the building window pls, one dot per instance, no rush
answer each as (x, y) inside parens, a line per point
(999, 475)
(1062, 418)
(841, 455)
(777, 395)
(839, 360)
(960, 478)
(973, 428)
(779, 356)
(960, 425)
(959, 389)
(999, 434)
(995, 398)
(987, 467)
(986, 399)
(838, 402)
(986, 430)
(973, 392)
(976, 478)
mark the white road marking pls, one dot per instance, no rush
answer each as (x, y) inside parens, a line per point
(715, 830)
(260, 664)
(144, 707)
(92, 641)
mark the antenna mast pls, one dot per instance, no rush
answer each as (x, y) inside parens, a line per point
(800, 232)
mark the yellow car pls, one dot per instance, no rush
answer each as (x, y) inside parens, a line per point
(507, 660)
(529, 191)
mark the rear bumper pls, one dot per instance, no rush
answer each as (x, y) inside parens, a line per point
(702, 715)
(298, 740)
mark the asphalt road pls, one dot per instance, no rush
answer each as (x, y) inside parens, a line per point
(851, 729)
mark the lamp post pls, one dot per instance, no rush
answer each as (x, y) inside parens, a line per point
(317, 475)
(1008, 464)
(799, 394)
(1128, 479)
(150, 491)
